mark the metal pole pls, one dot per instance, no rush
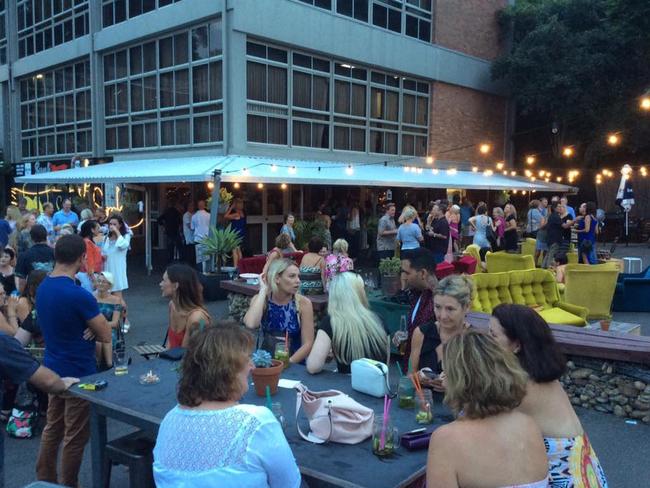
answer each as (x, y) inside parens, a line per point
(147, 230)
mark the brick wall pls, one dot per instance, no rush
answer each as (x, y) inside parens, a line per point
(468, 26)
(462, 116)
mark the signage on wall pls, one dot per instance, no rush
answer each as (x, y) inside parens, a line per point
(38, 167)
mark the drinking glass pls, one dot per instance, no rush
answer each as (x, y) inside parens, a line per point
(120, 362)
(384, 445)
(424, 410)
(282, 353)
(406, 393)
(276, 408)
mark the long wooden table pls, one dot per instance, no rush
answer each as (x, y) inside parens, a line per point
(351, 466)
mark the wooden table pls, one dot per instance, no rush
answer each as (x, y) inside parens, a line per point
(351, 466)
(618, 327)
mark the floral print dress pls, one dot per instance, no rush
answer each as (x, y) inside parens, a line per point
(335, 264)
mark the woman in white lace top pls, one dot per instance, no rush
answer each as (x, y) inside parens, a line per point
(209, 439)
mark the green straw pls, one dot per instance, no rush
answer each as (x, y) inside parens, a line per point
(399, 369)
(269, 404)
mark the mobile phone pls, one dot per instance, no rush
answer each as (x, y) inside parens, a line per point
(94, 386)
(429, 374)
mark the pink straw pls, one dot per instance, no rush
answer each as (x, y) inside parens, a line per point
(382, 441)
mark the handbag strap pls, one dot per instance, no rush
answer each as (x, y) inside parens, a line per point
(310, 437)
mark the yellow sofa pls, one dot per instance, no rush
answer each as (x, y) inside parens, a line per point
(474, 251)
(497, 262)
(533, 287)
(591, 287)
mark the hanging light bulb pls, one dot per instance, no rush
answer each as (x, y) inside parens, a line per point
(349, 171)
(283, 186)
(260, 186)
(210, 185)
(419, 170)
(293, 170)
(645, 103)
(235, 186)
(558, 179)
(530, 159)
(613, 139)
(474, 169)
(500, 166)
(567, 151)
(452, 171)
(430, 159)
(406, 169)
(485, 148)
(513, 173)
(274, 168)
(435, 171)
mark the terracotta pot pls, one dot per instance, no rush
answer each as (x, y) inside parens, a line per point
(390, 285)
(604, 325)
(263, 377)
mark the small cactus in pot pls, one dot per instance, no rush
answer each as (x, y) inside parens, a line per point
(266, 372)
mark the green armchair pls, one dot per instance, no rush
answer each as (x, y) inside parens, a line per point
(498, 262)
(592, 287)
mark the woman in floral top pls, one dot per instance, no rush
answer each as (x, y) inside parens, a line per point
(338, 261)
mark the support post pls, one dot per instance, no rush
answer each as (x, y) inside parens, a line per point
(147, 230)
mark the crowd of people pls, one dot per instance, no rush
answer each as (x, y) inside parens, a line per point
(502, 384)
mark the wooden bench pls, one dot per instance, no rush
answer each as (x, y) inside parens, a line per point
(578, 341)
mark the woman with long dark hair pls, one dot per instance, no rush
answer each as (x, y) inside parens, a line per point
(181, 285)
(116, 245)
(572, 460)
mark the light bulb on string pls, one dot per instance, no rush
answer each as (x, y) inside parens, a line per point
(530, 159)
(505, 172)
(260, 186)
(349, 171)
(419, 170)
(435, 171)
(406, 169)
(513, 173)
(568, 151)
(292, 170)
(500, 166)
(613, 139)
(430, 159)
(452, 171)
(474, 169)
(485, 148)
(274, 168)
(645, 103)
(235, 186)
(558, 179)
(210, 185)
(283, 186)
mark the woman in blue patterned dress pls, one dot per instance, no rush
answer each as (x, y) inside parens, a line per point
(279, 309)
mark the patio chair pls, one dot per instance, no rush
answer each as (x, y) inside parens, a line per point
(591, 287)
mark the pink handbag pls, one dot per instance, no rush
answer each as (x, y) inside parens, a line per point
(333, 416)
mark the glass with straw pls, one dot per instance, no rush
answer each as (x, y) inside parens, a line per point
(385, 437)
(424, 411)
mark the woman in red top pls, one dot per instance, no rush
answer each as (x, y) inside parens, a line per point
(181, 285)
(94, 262)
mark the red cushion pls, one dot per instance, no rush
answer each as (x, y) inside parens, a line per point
(466, 265)
(444, 269)
(251, 265)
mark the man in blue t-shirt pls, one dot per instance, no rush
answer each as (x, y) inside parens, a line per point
(65, 216)
(69, 318)
(17, 365)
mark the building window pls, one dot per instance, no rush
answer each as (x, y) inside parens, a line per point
(55, 108)
(302, 100)
(116, 11)
(410, 17)
(3, 32)
(165, 92)
(45, 24)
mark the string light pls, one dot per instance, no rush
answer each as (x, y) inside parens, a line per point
(210, 185)
(488, 172)
(505, 172)
(430, 159)
(292, 170)
(474, 169)
(513, 173)
(613, 139)
(283, 186)
(435, 171)
(420, 170)
(485, 148)
(245, 171)
(542, 173)
(274, 168)
(235, 186)
(645, 103)
(530, 159)
(500, 166)
(260, 185)
(567, 151)
(528, 173)
(349, 171)
(452, 171)
(407, 169)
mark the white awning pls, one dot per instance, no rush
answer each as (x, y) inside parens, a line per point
(255, 169)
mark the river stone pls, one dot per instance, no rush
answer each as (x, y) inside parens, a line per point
(602, 400)
(638, 414)
(628, 390)
(580, 374)
(575, 400)
(593, 377)
(570, 365)
(639, 385)
(641, 405)
(600, 408)
(619, 411)
(646, 420)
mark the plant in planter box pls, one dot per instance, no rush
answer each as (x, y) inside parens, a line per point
(306, 229)
(390, 269)
(220, 244)
(266, 372)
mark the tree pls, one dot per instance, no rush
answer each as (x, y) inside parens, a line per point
(576, 71)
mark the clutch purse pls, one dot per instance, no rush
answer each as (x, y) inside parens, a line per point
(415, 441)
(370, 377)
(174, 354)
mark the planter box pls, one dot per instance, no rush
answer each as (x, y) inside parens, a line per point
(211, 283)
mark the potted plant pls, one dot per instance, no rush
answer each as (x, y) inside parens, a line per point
(218, 246)
(389, 269)
(225, 197)
(266, 372)
(306, 229)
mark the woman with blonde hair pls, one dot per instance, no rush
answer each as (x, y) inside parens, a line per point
(13, 216)
(279, 310)
(20, 240)
(350, 329)
(485, 385)
(338, 261)
(409, 234)
(452, 299)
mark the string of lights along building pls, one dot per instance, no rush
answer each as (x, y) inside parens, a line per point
(349, 81)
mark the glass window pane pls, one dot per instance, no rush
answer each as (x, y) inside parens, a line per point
(166, 52)
(301, 133)
(122, 94)
(151, 134)
(182, 131)
(408, 110)
(215, 81)
(277, 131)
(216, 127)
(200, 82)
(341, 97)
(200, 43)
(358, 140)
(377, 103)
(255, 81)
(201, 129)
(301, 90)
(166, 89)
(392, 105)
(358, 100)
(137, 136)
(277, 86)
(390, 141)
(321, 99)
(136, 95)
(394, 21)
(167, 133)
(256, 128)
(341, 137)
(120, 64)
(109, 67)
(150, 96)
(422, 111)
(123, 137)
(135, 58)
(320, 136)
(149, 56)
(109, 100)
(182, 87)
(181, 53)
(214, 48)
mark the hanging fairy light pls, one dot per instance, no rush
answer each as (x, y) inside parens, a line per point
(283, 186)
(530, 159)
(244, 171)
(488, 172)
(528, 173)
(558, 179)
(568, 151)
(613, 139)
(500, 166)
(513, 173)
(485, 148)
(430, 159)
(452, 171)
(407, 169)
(645, 103)
(643, 171)
(293, 170)
(505, 172)
(235, 186)
(349, 171)
(260, 186)
(274, 168)
(474, 169)
(210, 185)
(542, 173)
(435, 171)
(419, 170)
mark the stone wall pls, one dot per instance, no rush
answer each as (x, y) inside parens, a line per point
(609, 386)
